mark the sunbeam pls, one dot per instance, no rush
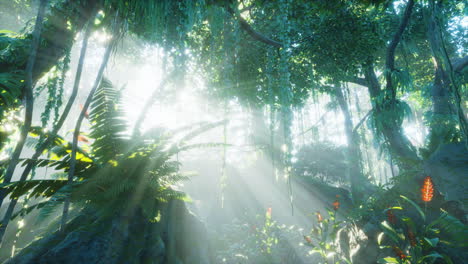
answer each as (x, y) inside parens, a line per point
(236, 132)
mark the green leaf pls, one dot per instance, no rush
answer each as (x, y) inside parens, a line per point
(447, 259)
(420, 211)
(432, 241)
(391, 232)
(5, 31)
(388, 260)
(433, 256)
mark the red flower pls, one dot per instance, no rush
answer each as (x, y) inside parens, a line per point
(427, 190)
(391, 217)
(319, 217)
(412, 238)
(336, 205)
(399, 253)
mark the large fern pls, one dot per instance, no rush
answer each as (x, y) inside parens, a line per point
(108, 125)
(119, 174)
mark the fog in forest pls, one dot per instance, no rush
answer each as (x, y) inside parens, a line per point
(233, 131)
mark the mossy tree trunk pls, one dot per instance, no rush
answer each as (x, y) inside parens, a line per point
(60, 27)
(448, 121)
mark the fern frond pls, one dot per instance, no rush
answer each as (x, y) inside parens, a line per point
(35, 188)
(108, 124)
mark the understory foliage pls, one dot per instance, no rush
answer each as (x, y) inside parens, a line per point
(324, 237)
(262, 241)
(418, 239)
(409, 232)
(322, 160)
(115, 174)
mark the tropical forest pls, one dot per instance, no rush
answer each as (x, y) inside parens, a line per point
(233, 131)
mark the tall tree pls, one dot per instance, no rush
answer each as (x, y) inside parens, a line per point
(76, 132)
(356, 179)
(448, 122)
(29, 105)
(53, 135)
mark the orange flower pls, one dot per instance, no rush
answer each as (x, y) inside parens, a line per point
(336, 205)
(412, 238)
(391, 217)
(399, 253)
(427, 190)
(308, 239)
(319, 217)
(83, 139)
(86, 112)
(268, 212)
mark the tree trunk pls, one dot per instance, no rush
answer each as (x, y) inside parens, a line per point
(365, 145)
(356, 178)
(443, 126)
(61, 25)
(385, 101)
(29, 104)
(48, 141)
(398, 143)
(446, 100)
(76, 132)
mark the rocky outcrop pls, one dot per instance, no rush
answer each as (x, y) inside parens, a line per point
(448, 167)
(177, 237)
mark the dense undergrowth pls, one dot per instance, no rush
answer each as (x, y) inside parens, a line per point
(406, 231)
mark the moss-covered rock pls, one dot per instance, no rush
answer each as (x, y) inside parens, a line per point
(178, 237)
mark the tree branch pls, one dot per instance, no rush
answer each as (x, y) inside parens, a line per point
(256, 35)
(460, 64)
(149, 102)
(390, 58)
(362, 121)
(358, 81)
(316, 123)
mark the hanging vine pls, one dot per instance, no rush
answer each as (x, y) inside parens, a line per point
(269, 71)
(65, 66)
(224, 176)
(230, 43)
(285, 92)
